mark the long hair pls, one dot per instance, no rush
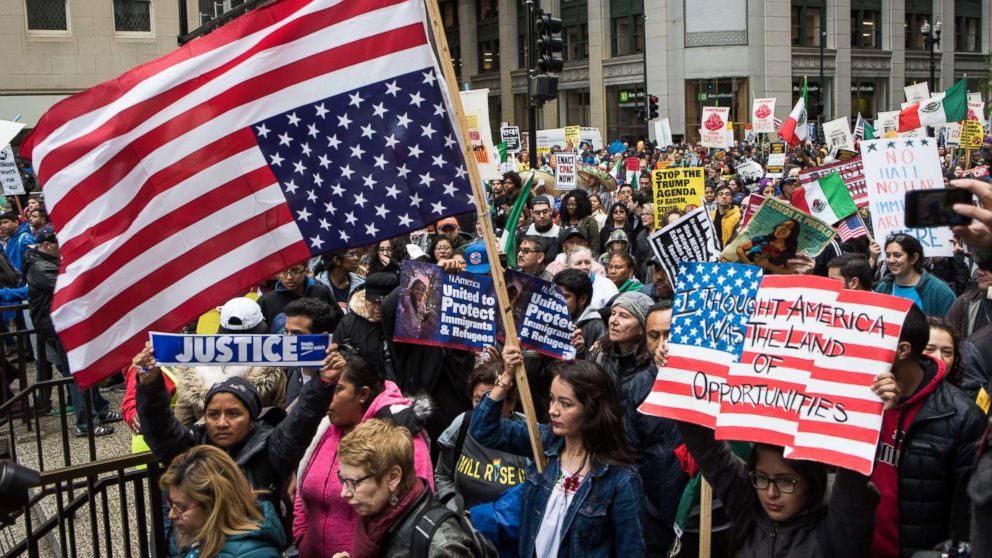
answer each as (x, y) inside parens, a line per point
(437, 240)
(583, 207)
(603, 434)
(792, 241)
(214, 481)
(911, 245)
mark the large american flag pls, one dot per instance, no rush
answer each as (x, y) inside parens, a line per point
(712, 306)
(851, 171)
(302, 127)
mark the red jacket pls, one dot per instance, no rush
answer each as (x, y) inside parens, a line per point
(128, 407)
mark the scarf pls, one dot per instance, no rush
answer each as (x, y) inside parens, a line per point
(371, 531)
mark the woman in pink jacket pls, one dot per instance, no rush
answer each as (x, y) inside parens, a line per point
(323, 522)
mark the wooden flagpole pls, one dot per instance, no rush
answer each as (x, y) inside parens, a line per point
(705, 519)
(492, 250)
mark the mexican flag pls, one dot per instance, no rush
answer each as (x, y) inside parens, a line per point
(826, 199)
(794, 129)
(936, 111)
(869, 132)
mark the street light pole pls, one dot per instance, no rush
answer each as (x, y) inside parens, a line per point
(930, 41)
(819, 108)
(647, 111)
(531, 99)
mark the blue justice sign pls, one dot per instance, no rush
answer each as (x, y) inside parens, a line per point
(219, 350)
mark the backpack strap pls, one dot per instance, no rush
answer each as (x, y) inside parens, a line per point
(460, 442)
(423, 529)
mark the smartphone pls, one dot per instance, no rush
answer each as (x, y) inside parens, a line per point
(933, 208)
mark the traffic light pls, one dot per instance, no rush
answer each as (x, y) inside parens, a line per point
(652, 107)
(545, 83)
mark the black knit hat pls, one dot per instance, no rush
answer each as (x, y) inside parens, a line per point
(242, 389)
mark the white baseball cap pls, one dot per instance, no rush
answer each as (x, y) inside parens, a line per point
(240, 314)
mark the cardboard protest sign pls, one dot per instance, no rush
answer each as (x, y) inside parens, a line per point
(892, 168)
(979, 172)
(976, 110)
(750, 173)
(566, 171)
(763, 116)
(787, 360)
(510, 135)
(837, 133)
(712, 129)
(751, 205)
(663, 132)
(887, 121)
(475, 104)
(775, 234)
(546, 139)
(9, 131)
(445, 310)
(248, 350)
(972, 134)
(677, 188)
(917, 92)
(690, 239)
(711, 308)
(776, 160)
(592, 136)
(633, 164)
(10, 177)
(573, 136)
(541, 315)
(851, 172)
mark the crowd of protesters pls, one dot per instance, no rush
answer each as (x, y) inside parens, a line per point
(396, 449)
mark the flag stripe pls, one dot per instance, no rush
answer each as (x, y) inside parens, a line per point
(114, 169)
(140, 254)
(201, 139)
(283, 244)
(84, 112)
(118, 303)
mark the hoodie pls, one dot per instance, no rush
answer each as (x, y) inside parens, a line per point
(323, 522)
(895, 423)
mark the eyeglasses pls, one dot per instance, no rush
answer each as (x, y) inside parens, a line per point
(783, 485)
(351, 485)
(177, 508)
(526, 251)
(295, 272)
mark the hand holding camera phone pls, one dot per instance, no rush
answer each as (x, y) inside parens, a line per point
(935, 208)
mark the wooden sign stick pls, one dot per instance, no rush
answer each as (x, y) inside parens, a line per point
(705, 519)
(492, 250)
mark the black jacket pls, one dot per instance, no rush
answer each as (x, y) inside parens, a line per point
(41, 270)
(840, 527)
(365, 336)
(654, 440)
(937, 455)
(450, 540)
(267, 457)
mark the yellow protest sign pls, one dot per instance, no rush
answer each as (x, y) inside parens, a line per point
(972, 134)
(675, 189)
(573, 135)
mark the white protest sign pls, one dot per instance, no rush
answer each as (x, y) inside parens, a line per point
(917, 92)
(887, 121)
(663, 132)
(10, 177)
(566, 171)
(591, 136)
(750, 173)
(892, 168)
(976, 110)
(763, 116)
(546, 139)
(974, 97)
(952, 133)
(838, 133)
(9, 131)
(510, 135)
(712, 131)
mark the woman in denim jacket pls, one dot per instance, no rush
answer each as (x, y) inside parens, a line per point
(588, 501)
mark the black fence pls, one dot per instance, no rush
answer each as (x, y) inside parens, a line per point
(84, 506)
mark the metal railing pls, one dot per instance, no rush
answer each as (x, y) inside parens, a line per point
(84, 506)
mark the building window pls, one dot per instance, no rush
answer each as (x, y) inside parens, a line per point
(133, 16)
(866, 28)
(917, 12)
(522, 15)
(487, 28)
(968, 25)
(575, 33)
(626, 27)
(47, 15)
(622, 105)
(807, 22)
(449, 18)
(574, 107)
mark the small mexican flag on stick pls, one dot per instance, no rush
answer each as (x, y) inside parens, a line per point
(826, 199)
(794, 129)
